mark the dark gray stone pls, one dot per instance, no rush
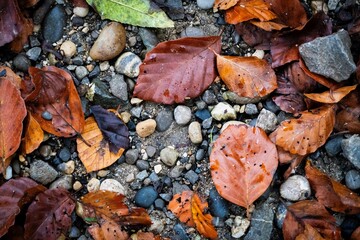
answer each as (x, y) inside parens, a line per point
(200, 154)
(352, 179)
(74, 232)
(176, 171)
(33, 53)
(209, 97)
(145, 197)
(142, 165)
(251, 109)
(329, 56)
(351, 149)
(173, 8)
(178, 188)
(333, 146)
(159, 204)
(164, 120)
(21, 62)
(192, 176)
(34, 41)
(131, 156)
(217, 205)
(94, 73)
(180, 232)
(280, 215)
(81, 72)
(42, 172)
(64, 154)
(46, 115)
(150, 150)
(118, 87)
(148, 38)
(192, 32)
(103, 97)
(271, 106)
(54, 23)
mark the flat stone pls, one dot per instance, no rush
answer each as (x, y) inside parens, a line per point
(173, 8)
(223, 111)
(113, 186)
(54, 23)
(118, 87)
(295, 188)
(351, 149)
(128, 64)
(65, 181)
(150, 150)
(42, 172)
(148, 38)
(352, 179)
(192, 32)
(192, 176)
(329, 56)
(102, 96)
(145, 197)
(195, 132)
(146, 128)
(169, 156)
(266, 120)
(131, 156)
(182, 115)
(33, 53)
(164, 119)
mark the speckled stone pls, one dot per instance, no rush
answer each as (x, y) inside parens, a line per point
(128, 64)
(223, 111)
(146, 128)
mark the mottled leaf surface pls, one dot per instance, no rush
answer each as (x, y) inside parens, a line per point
(107, 230)
(224, 4)
(331, 96)
(34, 135)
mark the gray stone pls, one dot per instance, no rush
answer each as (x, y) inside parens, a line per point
(192, 176)
(74, 232)
(142, 165)
(205, 4)
(332, 4)
(128, 64)
(46, 115)
(142, 175)
(150, 150)
(42, 172)
(217, 205)
(352, 179)
(8, 173)
(164, 120)
(148, 38)
(81, 72)
(178, 188)
(145, 197)
(223, 111)
(176, 171)
(280, 215)
(209, 97)
(266, 120)
(169, 156)
(54, 23)
(333, 146)
(195, 133)
(103, 97)
(118, 87)
(65, 181)
(180, 232)
(64, 154)
(159, 204)
(234, 98)
(192, 32)
(251, 109)
(173, 8)
(182, 115)
(329, 56)
(21, 62)
(351, 149)
(131, 156)
(295, 188)
(200, 154)
(66, 167)
(33, 53)
(206, 124)
(136, 111)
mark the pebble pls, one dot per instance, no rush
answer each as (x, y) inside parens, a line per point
(142, 165)
(113, 186)
(95, 72)
(54, 24)
(145, 197)
(333, 146)
(217, 205)
(142, 175)
(202, 114)
(130, 178)
(352, 179)
(151, 151)
(192, 176)
(93, 185)
(332, 4)
(74, 232)
(81, 11)
(205, 4)
(351, 149)
(118, 87)
(176, 171)
(8, 173)
(271, 106)
(33, 53)
(267, 120)
(102, 96)
(81, 72)
(200, 154)
(164, 119)
(209, 97)
(128, 64)
(159, 204)
(46, 115)
(103, 173)
(180, 232)
(251, 109)
(22, 62)
(45, 150)
(195, 132)
(64, 154)
(110, 43)
(240, 226)
(223, 111)
(136, 111)
(206, 124)
(77, 185)
(182, 115)
(192, 32)
(157, 225)
(148, 38)
(42, 172)
(67, 167)
(157, 168)
(125, 116)
(169, 156)
(234, 98)
(295, 188)
(178, 188)
(131, 156)
(258, 53)
(68, 48)
(65, 181)
(280, 215)
(104, 66)
(236, 123)
(146, 128)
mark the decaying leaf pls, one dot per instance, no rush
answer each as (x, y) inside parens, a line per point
(34, 135)
(332, 194)
(306, 134)
(254, 36)
(93, 148)
(356, 234)
(242, 164)
(146, 236)
(331, 96)
(14, 195)
(348, 119)
(55, 95)
(107, 230)
(309, 233)
(180, 205)
(49, 215)
(312, 213)
(224, 4)
(178, 69)
(298, 77)
(11, 76)
(268, 26)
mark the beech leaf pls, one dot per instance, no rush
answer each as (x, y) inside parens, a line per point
(243, 162)
(176, 70)
(254, 36)
(268, 26)
(49, 215)
(34, 135)
(348, 118)
(107, 230)
(309, 233)
(224, 4)
(331, 96)
(180, 205)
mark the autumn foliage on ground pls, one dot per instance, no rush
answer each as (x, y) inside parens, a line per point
(243, 160)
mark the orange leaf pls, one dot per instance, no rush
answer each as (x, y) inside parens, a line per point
(310, 233)
(242, 164)
(307, 133)
(180, 205)
(107, 230)
(249, 9)
(356, 234)
(97, 154)
(331, 96)
(247, 76)
(34, 135)
(224, 4)
(268, 26)
(332, 194)
(145, 236)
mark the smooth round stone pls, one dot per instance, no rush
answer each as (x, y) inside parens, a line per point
(45, 150)
(251, 109)
(159, 204)
(54, 23)
(151, 151)
(81, 72)
(182, 115)
(352, 179)
(64, 154)
(192, 32)
(333, 146)
(21, 62)
(295, 188)
(81, 11)
(145, 197)
(68, 48)
(146, 128)
(46, 115)
(8, 173)
(113, 186)
(110, 42)
(33, 53)
(93, 185)
(217, 205)
(128, 64)
(205, 4)
(142, 165)
(131, 156)
(200, 154)
(148, 38)
(164, 120)
(119, 87)
(195, 132)
(77, 185)
(169, 156)
(65, 181)
(223, 111)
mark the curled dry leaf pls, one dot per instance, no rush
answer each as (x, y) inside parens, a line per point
(107, 230)
(49, 215)
(242, 164)
(332, 194)
(246, 10)
(93, 148)
(14, 195)
(34, 135)
(224, 4)
(55, 93)
(246, 76)
(331, 96)
(306, 134)
(178, 69)
(309, 212)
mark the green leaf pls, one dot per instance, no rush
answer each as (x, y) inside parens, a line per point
(134, 12)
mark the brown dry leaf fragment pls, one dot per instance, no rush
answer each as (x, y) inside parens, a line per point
(310, 233)
(254, 36)
(34, 135)
(332, 194)
(242, 164)
(246, 76)
(309, 212)
(306, 134)
(268, 26)
(146, 236)
(13, 77)
(348, 119)
(298, 77)
(180, 205)
(107, 230)
(224, 4)
(331, 96)
(356, 234)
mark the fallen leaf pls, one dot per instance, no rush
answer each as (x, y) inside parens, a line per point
(268, 26)
(107, 230)
(242, 164)
(356, 234)
(34, 135)
(143, 13)
(93, 149)
(180, 205)
(332, 194)
(55, 93)
(254, 36)
(178, 69)
(306, 134)
(14, 195)
(224, 4)
(145, 236)
(331, 96)
(309, 233)
(298, 77)
(348, 118)
(112, 128)
(28, 3)
(246, 76)
(309, 212)
(49, 215)
(11, 76)
(246, 10)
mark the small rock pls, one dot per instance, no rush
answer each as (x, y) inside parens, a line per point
(104, 66)
(148, 38)
(64, 154)
(125, 116)
(110, 42)
(164, 120)
(102, 96)
(33, 53)
(8, 173)
(54, 24)
(178, 188)
(295, 188)
(192, 177)
(94, 73)
(136, 111)
(206, 124)
(323, 56)
(65, 181)
(45, 150)
(68, 48)
(351, 149)
(251, 109)
(150, 150)
(333, 146)
(236, 123)
(234, 98)
(258, 53)
(77, 185)
(332, 4)
(205, 4)
(157, 168)
(240, 226)
(46, 115)
(93, 185)
(128, 64)
(131, 156)
(159, 204)
(169, 156)
(145, 197)
(81, 11)
(130, 178)
(142, 175)
(223, 111)
(42, 172)
(182, 115)
(192, 32)
(209, 97)
(146, 128)
(200, 154)
(176, 171)
(202, 114)
(217, 205)
(157, 225)
(266, 120)
(352, 179)
(180, 232)
(67, 168)
(103, 173)
(118, 87)
(113, 186)
(195, 133)
(81, 72)
(21, 62)
(142, 165)
(74, 232)
(271, 106)
(280, 215)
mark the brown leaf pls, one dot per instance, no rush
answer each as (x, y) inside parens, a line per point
(14, 195)
(11, 76)
(178, 69)
(107, 230)
(56, 94)
(145, 236)
(242, 164)
(180, 205)
(254, 36)
(247, 76)
(224, 4)
(93, 149)
(310, 233)
(246, 10)
(268, 26)
(49, 215)
(332, 194)
(356, 234)
(309, 212)
(28, 3)
(331, 96)
(34, 135)
(306, 134)
(300, 80)
(348, 119)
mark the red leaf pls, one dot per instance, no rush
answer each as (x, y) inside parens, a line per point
(107, 230)
(14, 195)
(178, 69)
(254, 36)
(301, 81)
(49, 215)
(356, 234)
